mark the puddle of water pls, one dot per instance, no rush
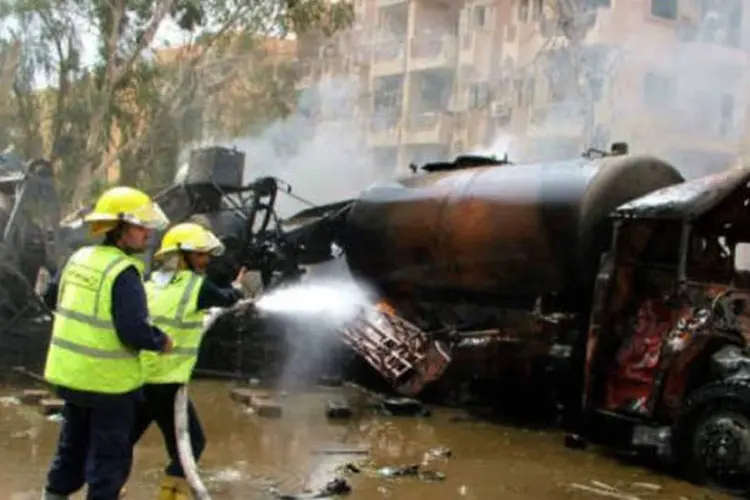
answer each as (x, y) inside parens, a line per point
(247, 455)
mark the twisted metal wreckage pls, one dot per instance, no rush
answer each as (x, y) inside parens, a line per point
(608, 278)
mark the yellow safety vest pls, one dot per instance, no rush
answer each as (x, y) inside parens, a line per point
(174, 308)
(85, 352)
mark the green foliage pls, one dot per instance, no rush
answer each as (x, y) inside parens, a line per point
(85, 111)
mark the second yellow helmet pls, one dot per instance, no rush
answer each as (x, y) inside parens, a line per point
(189, 237)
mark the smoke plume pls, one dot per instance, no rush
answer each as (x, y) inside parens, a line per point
(320, 149)
(673, 87)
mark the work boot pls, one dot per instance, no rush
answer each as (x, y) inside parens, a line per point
(174, 488)
(46, 495)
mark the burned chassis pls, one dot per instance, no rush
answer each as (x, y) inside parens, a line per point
(679, 384)
(662, 354)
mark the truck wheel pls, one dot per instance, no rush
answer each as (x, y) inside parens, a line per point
(712, 436)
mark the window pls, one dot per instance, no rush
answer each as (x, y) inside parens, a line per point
(538, 6)
(666, 9)
(721, 22)
(523, 10)
(658, 90)
(480, 16)
(479, 96)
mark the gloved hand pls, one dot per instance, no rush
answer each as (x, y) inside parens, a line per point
(249, 283)
(237, 283)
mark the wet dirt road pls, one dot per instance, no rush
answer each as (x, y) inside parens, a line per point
(246, 454)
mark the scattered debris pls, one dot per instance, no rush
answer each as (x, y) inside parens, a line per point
(335, 487)
(261, 402)
(51, 406)
(603, 486)
(34, 396)
(411, 471)
(245, 396)
(648, 486)
(404, 407)
(604, 490)
(440, 452)
(266, 408)
(351, 468)
(338, 409)
(399, 471)
(431, 476)
(341, 450)
(56, 417)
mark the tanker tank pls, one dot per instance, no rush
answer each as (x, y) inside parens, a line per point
(496, 231)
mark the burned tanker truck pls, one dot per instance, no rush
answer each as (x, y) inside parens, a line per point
(607, 275)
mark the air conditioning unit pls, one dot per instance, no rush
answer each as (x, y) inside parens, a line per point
(500, 110)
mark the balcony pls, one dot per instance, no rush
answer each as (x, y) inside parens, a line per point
(680, 130)
(384, 129)
(560, 118)
(433, 127)
(388, 58)
(432, 51)
(711, 39)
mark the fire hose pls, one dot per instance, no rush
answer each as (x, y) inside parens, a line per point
(182, 430)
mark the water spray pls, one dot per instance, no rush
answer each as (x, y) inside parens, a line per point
(336, 301)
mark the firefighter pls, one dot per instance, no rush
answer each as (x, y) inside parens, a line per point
(179, 296)
(101, 322)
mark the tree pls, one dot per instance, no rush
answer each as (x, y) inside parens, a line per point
(126, 105)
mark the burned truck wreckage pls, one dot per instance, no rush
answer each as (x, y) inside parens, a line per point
(620, 284)
(609, 278)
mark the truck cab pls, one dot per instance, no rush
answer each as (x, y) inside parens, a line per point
(667, 367)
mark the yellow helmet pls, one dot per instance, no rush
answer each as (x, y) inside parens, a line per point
(189, 237)
(126, 204)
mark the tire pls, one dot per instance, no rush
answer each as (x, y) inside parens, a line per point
(712, 436)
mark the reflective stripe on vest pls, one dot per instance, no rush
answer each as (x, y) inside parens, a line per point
(174, 309)
(85, 352)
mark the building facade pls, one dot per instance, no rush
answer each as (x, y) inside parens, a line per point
(547, 78)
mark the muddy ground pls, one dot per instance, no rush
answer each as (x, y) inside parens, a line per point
(247, 455)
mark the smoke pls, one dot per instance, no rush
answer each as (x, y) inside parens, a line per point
(319, 150)
(310, 314)
(674, 88)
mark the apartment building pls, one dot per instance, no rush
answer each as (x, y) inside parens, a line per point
(545, 78)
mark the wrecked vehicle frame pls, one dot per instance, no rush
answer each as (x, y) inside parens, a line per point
(652, 356)
(666, 353)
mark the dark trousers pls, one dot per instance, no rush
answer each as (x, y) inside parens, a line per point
(159, 406)
(94, 448)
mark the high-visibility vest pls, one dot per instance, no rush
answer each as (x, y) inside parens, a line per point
(85, 352)
(174, 309)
